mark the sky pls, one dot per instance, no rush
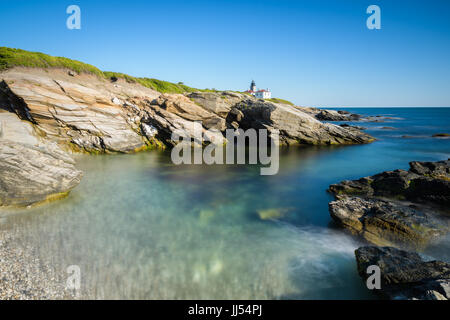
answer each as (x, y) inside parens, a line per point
(312, 52)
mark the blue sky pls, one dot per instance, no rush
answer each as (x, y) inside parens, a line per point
(313, 52)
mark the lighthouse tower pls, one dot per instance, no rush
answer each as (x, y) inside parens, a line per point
(253, 86)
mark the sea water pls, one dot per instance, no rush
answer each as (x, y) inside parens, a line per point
(139, 227)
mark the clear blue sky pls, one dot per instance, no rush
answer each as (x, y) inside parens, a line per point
(312, 52)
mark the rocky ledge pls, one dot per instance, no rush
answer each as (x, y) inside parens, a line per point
(342, 115)
(32, 170)
(83, 112)
(30, 174)
(396, 208)
(405, 275)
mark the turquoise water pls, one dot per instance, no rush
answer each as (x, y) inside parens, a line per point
(142, 228)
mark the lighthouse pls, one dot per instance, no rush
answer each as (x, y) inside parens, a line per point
(253, 86)
(260, 94)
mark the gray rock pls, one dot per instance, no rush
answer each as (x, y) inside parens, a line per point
(375, 207)
(387, 223)
(405, 275)
(88, 114)
(331, 115)
(294, 125)
(424, 182)
(30, 174)
(78, 113)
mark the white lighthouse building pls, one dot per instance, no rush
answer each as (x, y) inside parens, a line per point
(259, 94)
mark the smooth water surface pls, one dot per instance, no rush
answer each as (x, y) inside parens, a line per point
(140, 227)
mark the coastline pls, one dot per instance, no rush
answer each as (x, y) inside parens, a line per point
(49, 116)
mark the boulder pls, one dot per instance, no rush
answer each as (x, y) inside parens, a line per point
(30, 174)
(424, 182)
(82, 113)
(295, 126)
(183, 107)
(396, 208)
(383, 222)
(332, 115)
(405, 275)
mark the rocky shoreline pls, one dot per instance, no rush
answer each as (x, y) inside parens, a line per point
(403, 210)
(405, 275)
(45, 115)
(48, 115)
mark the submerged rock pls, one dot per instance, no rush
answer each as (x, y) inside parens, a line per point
(273, 213)
(30, 174)
(405, 275)
(441, 135)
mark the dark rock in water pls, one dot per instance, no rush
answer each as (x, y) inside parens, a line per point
(423, 182)
(374, 207)
(387, 223)
(405, 275)
(440, 135)
(388, 128)
(331, 115)
(433, 169)
(346, 125)
(429, 190)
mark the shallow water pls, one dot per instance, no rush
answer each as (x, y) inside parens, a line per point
(140, 227)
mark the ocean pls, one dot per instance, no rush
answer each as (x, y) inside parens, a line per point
(140, 227)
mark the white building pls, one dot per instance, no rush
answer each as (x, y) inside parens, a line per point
(259, 94)
(263, 94)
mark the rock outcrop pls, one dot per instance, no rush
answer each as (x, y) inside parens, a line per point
(330, 115)
(90, 114)
(387, 222)
(30, 174)
(82, 113)
(397, 208)
(31, 170)
(424, 182)
(294, 126)
(405, 275)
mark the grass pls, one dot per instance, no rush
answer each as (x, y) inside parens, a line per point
(16, 57)
(155, 84)
(278, 100)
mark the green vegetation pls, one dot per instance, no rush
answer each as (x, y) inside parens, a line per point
(16, 57)
(278, 100)
(155, 84)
